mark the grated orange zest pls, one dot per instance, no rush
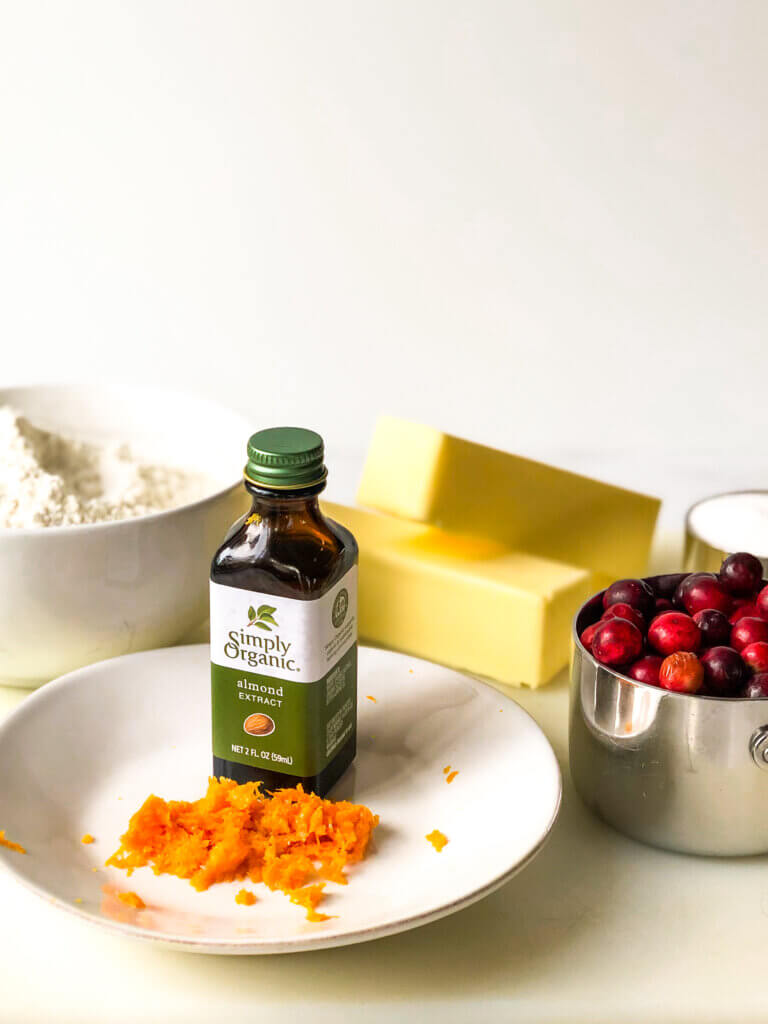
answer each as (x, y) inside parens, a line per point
(234, 832)
(131, 899)
(10, 845)
(245, 898)
(437, 838)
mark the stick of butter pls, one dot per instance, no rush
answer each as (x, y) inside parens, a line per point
(419, 473)
(466, 602)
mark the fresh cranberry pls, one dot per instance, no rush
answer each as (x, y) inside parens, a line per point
(674, 631)
(762, 602)
(741, 573)
(757, 687)
(666, 585)
(748, 631)
(702, 590)
(746, 610)
(663, 604)
(646, 669)
(588, 634)
(625, 611)
(715, 627)
(636, 593)
(681, 672)
(723, 671)
(755, 656)
(617, 642)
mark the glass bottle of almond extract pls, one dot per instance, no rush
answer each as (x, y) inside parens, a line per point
(284, 626)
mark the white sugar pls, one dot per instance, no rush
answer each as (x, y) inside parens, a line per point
(733, 522)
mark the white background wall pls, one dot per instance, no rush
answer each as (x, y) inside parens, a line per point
(542, 225)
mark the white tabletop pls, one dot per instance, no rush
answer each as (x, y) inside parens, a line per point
(598, 928)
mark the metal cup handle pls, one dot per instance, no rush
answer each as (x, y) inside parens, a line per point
(758, 747)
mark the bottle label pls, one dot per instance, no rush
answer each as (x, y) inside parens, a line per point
(283, 676)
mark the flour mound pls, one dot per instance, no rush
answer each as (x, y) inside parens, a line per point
(50, 480)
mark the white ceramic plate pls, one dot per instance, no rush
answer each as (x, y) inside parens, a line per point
(82, 753)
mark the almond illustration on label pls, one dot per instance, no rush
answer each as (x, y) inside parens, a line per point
(259, 725)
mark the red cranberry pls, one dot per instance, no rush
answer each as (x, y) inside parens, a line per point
(741, 573)
(755, 656)
(636, 593)
(715, 627)
(747, 610)
(663, 604)
(646, 669)
(762, 602)
(757, 687)
(674, 631)
(666, 585)
(588, 634)
(617, 642)
(702, 590)
(723, 671)
(681, 672)
(748, 631)
(625, 611)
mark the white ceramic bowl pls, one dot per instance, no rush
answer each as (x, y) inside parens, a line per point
(72, 595)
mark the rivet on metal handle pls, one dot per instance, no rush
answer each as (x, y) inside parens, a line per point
(758, 745)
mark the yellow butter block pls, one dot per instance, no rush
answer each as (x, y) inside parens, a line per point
(419, 473)
(466, 602)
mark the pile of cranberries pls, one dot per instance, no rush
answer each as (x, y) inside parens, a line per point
(698, 632)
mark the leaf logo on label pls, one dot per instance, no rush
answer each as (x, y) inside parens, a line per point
(262, 617)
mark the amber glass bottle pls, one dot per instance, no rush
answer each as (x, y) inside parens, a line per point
(284, 626)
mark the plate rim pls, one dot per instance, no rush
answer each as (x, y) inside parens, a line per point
(264, 947)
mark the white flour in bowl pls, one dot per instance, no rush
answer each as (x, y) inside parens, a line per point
(50, 480)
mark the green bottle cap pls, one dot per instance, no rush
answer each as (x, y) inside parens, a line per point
(285, 459)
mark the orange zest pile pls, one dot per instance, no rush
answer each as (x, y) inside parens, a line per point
(234, 832)
(10, 845)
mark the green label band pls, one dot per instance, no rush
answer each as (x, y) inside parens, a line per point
(280, 724)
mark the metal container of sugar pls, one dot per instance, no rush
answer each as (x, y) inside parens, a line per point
(722, 524)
